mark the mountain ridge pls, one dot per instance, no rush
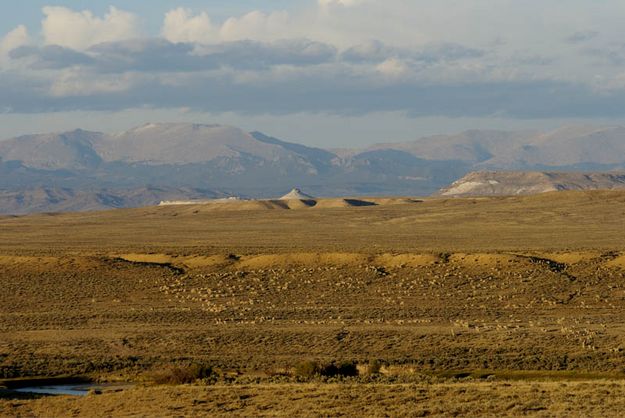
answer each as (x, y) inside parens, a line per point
(59, 199)
(515, 183)
(184, 156)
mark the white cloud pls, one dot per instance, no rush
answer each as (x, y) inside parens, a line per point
(181, 26)
(80, 30)
(342, 23)
(257, 26)
(14, 39)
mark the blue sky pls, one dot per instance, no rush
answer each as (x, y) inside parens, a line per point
(339, 73)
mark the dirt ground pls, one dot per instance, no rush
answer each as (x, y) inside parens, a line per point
(434, 290)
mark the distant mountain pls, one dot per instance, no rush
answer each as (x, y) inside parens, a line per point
(568, 148)
(196, 156)
(507, 183)
(50, 199)
(584, 148)
(68, 150)
(473, 147)
(171, 143)
(227, 161)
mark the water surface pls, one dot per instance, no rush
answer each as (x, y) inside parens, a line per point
(67, 389)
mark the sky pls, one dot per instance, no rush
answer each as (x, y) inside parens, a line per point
(330, 73)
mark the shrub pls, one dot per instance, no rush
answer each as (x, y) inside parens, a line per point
(307, 369)
(347, 369)
(329, 370)
(374, 367)
(310, 369)
(179, 375)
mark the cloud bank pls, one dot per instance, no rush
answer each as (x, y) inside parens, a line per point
(423, 57)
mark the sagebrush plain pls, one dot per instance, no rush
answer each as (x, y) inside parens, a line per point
(500, 306)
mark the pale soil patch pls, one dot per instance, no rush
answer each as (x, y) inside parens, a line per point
(303, 260)
(488, 260)
(309, 260)
(618, 262)
(237, 206)
(407, 260)
(194, 261)
(333, 203)
(147, 258)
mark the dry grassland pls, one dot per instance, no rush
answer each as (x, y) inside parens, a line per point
(520, 289)
(562, 221)
(546, 399)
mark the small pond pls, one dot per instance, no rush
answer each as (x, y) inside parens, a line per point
(79, 389)
(76, 386)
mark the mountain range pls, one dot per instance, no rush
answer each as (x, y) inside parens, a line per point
(81, 170)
